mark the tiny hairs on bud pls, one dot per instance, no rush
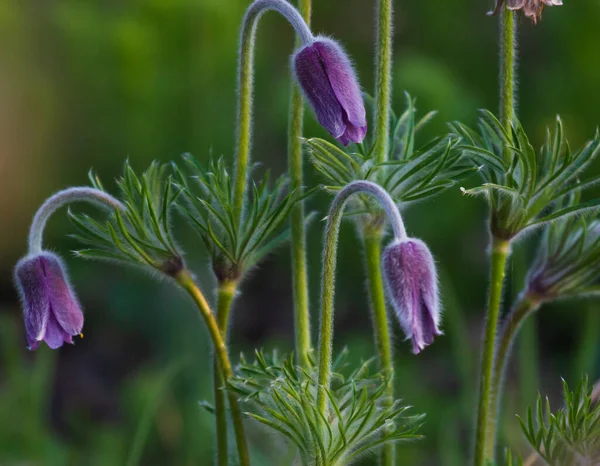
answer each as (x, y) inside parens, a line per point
(326, 77)
(412, 285)
(51, 310)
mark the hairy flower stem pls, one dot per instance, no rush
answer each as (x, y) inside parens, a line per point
(245, 85)
(186, 281)
(508, 66)
(383, 79)
(332, 231)
(225, 295)
(499, 251)
(381, 324)
(525, 306)
(298, 233)
(60, 199)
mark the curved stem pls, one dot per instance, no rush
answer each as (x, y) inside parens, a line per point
(508, 65)
(245, 85)
(186, 281)
(225, 295)
(298, 238)
(383, 79)
(525, 306)
(381, 326)
(60, 199)
(500, 250)
(328, 276)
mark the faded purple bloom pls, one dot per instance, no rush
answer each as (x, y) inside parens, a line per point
(327, 78)
(412, 286)
(52, 312)
(531, 8)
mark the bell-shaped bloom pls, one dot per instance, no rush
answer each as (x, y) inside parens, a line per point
(531, 8)
(52, 312)
(329, 83)
(412, 286)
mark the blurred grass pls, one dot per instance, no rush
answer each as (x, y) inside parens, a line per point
(88, 84)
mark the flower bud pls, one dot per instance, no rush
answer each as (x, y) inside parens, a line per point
(411, 279)
(531, 8)
(329, 83)
(52, 312)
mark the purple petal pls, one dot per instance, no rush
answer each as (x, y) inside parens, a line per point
(342, 79)
(313, 80)
(55, 336)
(63, 302)
(30, 282)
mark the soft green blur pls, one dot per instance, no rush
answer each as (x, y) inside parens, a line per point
(90, 83)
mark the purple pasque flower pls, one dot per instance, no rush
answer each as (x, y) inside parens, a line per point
(531, 8)
(412, 285)
(329, 83)
(52, 312)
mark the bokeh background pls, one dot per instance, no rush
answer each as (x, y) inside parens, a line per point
(91, 83)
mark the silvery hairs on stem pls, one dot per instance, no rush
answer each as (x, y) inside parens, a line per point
(51, 310)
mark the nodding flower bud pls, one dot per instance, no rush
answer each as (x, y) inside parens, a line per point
(411, 278)
(329, 83)
(531, 8)
(52, 312)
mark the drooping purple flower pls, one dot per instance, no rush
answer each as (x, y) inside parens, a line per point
(328, 81)
(52, 312)
(411, 279)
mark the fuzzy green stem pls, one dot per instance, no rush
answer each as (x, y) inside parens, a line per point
(525, 306)
(499, 252)
(508, 66)
(245, 86)
(328, 276)
(381, 326)
(298, 238)
(60, 199)
(186, 281)
(225, 295)
(383, 79)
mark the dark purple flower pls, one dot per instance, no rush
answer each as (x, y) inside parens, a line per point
(327, 78)
(412, 286)
(52, 312)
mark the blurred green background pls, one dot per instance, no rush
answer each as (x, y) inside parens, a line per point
(89, 83)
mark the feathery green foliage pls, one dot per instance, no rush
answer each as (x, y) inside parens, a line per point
(410, 175)
(568, 260)
(524, 187)
(235, 246)
(141, 234)
(283, 397)
(569, 437)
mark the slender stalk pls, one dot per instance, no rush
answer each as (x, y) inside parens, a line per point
(383, 79)
(245, 85)
(499, 251)
(328, 276)
(60, 199)
(298, 239)
(186, 281)
(485, 439)
(225, 295)
(508, 66)
(525, 306)
(381, 326)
